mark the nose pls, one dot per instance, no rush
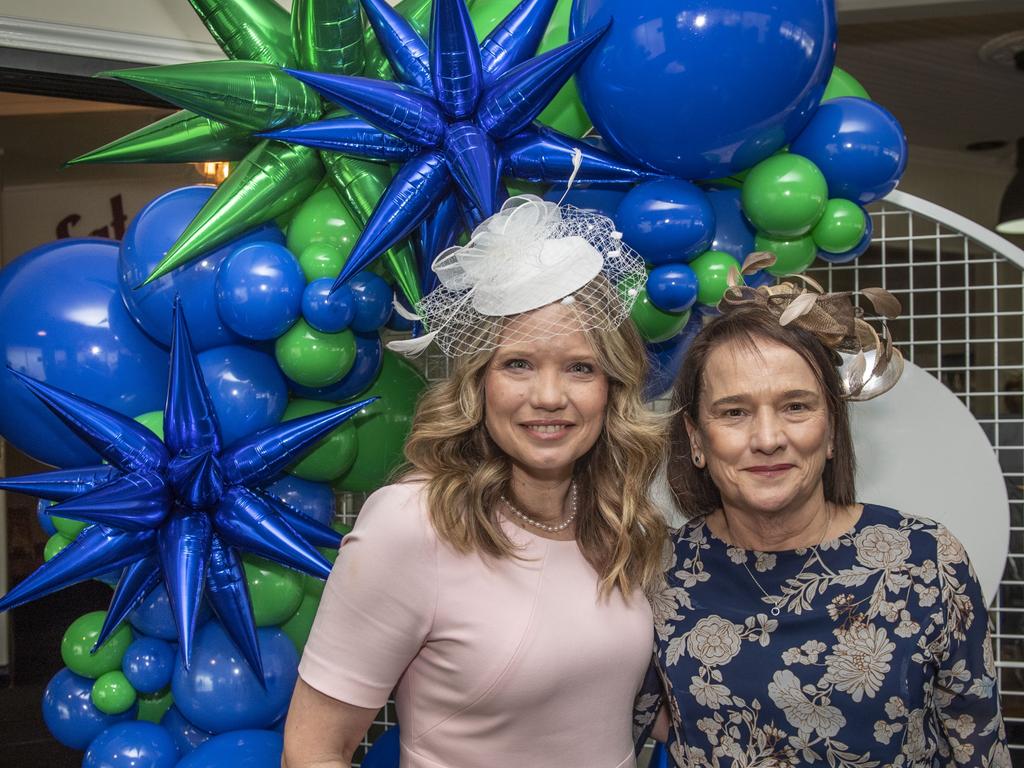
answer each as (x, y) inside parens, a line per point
(548, 390)
(767, 435)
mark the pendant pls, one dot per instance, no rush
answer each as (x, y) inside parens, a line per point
(776, 610)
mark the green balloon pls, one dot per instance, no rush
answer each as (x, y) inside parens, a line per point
(299, 625)
(55, 544)
(791, 256)
(382, 426)
(842, 83)
(248, 29)
(314, 359)
(784, 196)
(152, 706)
(112, 693)
(841, 227)
(333, 455)
(712, 270)
(324, 218)
(76, 646)
(319, 260)
(655, 324)
(67, 528)
(327, 36)
(153, 421)
(275, 591)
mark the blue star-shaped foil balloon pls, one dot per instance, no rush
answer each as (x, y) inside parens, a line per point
(460, 119)
(180, 509)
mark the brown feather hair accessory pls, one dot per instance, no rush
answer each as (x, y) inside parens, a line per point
(869, 365)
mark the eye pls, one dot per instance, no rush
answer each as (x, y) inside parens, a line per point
(733, 413)
(581, 368)
(517, 363)
(797, 407)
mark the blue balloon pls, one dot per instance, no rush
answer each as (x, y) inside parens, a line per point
(594, 197)
(62, 321)
(135, 744)
(847, 256)
(148, 664)
(666, 358)
(672, 287)
(398, 323)
(385, 752)
(154, 617)
(149, 236)
(242, 749)
(328, 312)
(666, 221)
(372, 299)
(659, 757)
(315, 500)
(247, 388)
(44, 517)
(734, 234)
(69, 713)
(759, 278)
(259, 290)
(221, 693)
(707, 88)
(858, 145)
(369, 358)
(186, 736)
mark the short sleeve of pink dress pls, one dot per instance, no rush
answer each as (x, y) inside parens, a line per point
(492, 663)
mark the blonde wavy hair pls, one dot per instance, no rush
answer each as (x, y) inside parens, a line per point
(618, 529)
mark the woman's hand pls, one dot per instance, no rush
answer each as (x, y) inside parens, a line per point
(322, 732)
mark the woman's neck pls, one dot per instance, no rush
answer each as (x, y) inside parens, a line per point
(542, 498)
(800, 526)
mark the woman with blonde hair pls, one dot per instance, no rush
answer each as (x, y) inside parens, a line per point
(500, 583)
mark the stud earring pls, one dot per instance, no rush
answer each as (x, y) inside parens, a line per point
(698, 460)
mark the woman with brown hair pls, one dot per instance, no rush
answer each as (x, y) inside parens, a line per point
(796, 626)
(499, 584)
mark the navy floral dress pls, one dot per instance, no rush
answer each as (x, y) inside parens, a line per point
(880, 655)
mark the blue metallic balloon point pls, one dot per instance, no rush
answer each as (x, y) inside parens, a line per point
(179, 510)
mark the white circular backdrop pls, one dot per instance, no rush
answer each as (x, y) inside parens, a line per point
(922, 452)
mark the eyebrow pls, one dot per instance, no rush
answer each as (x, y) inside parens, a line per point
(787, 395)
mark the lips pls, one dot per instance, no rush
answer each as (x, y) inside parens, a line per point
(769, 470)
(547, 430)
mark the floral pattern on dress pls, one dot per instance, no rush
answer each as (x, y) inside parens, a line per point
(880, 656)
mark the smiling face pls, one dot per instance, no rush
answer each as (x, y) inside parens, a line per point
(764, 427)
(545, 401)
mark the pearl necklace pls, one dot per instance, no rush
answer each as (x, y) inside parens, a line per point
(777, 601)
(545, 526)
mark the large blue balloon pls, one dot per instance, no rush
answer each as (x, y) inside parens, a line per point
(385, 752)
(69, 713)
(221, 693)
(594, 197)
(666, 221)
(259, 290)
(859, 147)
(734, 234)
(151, 233)
(247, 389)
(134, 744)
(148, 664)
(186, 736)
(241, 749)
(706, 88)
(369, 358)
(62, 321)
(315, 500)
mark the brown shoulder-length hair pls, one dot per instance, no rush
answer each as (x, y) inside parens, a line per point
(750, 328)
(618, 528)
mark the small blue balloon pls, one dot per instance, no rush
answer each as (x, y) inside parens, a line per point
(315, 500)
(759, 278)
(246, 387)
(149, 236)
(259, 290)
(672, 287)
(328, 312)
(372, 298)
(43, 516)
(594, 197)
(385, 751)
(369, 358)
(148, 664)
(69, 713)
(186, 736)
(847, 256)
(734, 234)
(134, 744)
(248, 748)
(666, 221)
(221, 693)
(858, 145)
(154, 617)
(666, 358)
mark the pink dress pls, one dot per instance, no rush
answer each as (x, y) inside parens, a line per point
(497, 663)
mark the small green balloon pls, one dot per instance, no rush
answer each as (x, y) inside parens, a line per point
(319, 260)
(153, 421)
(314, 359)
(712, 270)
(112, 693)
(841, 227)
(382, 427)
(655, 324)
(299, 625)
(791, 256)
(76, 646)
(67, 528)
(275, 591)
(323, 218)
(333, 455)
(152, 706)
(784, 196)
(54, 544)
(842, 83)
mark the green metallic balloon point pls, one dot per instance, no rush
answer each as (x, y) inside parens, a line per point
(76, 646)
(112, 693)
(314, 359)
(275, 591)
(791, 256)
(841, 226)
(712, 270)
(333, 456)
(653, 323)
(784, 196)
